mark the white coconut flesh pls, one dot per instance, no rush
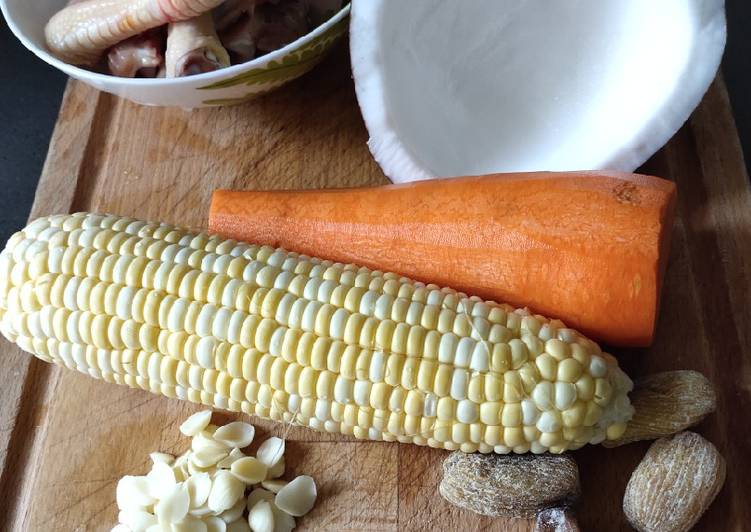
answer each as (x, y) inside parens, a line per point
(453, 88)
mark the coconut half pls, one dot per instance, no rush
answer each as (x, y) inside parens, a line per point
(464, 88)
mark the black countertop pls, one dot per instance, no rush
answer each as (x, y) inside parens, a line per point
(30, 94)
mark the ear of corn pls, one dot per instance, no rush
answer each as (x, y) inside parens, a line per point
(335, 347)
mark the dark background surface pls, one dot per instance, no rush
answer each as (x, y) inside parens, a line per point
(30, 94)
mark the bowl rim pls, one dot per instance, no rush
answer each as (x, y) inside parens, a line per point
(206, 77)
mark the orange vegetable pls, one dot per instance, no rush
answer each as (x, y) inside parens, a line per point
(587, 248)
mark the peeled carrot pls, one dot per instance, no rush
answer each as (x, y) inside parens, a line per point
(587, 248)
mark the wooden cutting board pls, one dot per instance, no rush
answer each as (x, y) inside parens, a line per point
(65, 438)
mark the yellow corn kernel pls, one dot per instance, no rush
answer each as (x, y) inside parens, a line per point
(500, 361)
(476, 389)
(519, 353)
(409, 372)
(379, 395)
(513, 391)
(513, 436)
(347, 366)
(415, 341)
(494, 435)
(585, 387)
(592, 414)
(490, 413)
(547, 366)
(394, 365)
(616, 431)
(530, 377)
(460, 433)
(580, 354)
(569, 370)
(557, 349)
(534, 345)
(531, 433)
(442, 382)
(574, 416)
(413, 405)
(550, 439)
(426, 375)
(320, 353)
(494, 387)
(512, 415)
(446, 409)
(325, 385)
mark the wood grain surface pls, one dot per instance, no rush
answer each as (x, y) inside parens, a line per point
(65, 439)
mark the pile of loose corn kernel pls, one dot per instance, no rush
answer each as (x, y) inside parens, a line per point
(204, 489)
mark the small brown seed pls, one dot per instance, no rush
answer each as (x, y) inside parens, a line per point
(666, 403)
(674, 484)
(509, 486)
(556, 520)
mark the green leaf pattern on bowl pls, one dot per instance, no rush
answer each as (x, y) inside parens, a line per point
(292, 65)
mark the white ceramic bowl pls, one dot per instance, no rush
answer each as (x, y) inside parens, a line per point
(482, 86)
(236, 84)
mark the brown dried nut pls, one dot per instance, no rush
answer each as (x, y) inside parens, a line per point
(666, 403)
(556, 520)
(509, 486)
(674, 484)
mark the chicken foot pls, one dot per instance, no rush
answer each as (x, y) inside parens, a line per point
(193, 48)
(81, 32)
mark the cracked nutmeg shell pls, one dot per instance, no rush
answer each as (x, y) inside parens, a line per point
(674, 484)
(509, 486)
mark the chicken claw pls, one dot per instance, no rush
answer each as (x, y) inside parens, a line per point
(193, 48)
(81, 32)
